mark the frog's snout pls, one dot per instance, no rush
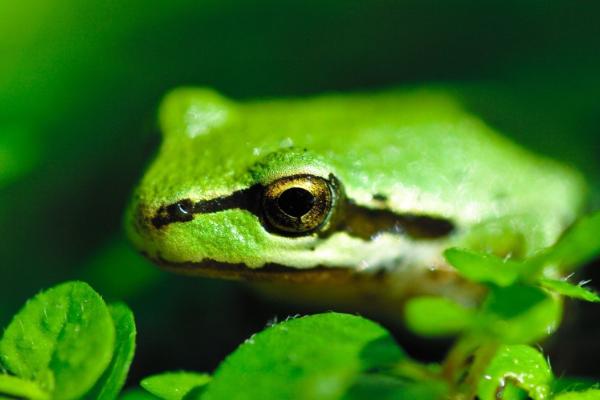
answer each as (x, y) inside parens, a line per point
(138, 223)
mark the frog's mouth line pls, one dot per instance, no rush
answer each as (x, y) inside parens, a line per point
(356, 220)
(267, 273)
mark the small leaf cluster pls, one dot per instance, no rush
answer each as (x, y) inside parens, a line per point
(67, 343)
(341, 356)
(524, 297)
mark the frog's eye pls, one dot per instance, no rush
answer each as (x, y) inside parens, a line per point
(297, 204)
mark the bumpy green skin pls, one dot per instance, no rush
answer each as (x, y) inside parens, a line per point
(418, 148)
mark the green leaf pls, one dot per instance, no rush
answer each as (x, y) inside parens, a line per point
(485, 268)
(137, 394)
(580, 244)
(174, 385)
(319, 356)
(436, 316)
(519, 314)
(592, 394)
(63, 339)
(17, 387)
(569, 384)
(518, 365)
(568, 289)
(384, 387)
(113, 379)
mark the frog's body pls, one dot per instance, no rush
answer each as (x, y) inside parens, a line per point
(408, 174)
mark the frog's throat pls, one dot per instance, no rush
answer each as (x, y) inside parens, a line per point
(355, 219)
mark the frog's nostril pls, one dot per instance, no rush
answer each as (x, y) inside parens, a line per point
(182, 211)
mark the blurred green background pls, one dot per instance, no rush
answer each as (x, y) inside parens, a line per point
(80, 82)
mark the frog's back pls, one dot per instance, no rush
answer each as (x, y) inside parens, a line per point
(418, 151)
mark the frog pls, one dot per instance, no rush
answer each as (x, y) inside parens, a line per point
(343, 195)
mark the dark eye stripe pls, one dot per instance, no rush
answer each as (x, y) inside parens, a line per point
(356, 220)
(365, 223)
(246, 199)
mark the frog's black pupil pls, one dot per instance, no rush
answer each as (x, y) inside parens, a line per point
(296, 202)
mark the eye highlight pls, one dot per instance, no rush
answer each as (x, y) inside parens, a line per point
(298, 204)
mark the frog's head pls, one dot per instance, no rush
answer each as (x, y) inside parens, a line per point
(246, 189)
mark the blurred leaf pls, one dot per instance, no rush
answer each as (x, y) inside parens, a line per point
(436, 316)
(318, 356)
(579, 245)
(63, 339)
(485, 268)
(570, 290)
(519, 365)
(111, 383)
(383, 387)
(569, 384)
(137, 394)
(17, 387)
(174, 385)
(592, 394)
(519, 314)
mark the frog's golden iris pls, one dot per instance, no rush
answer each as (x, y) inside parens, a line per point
(298, 204)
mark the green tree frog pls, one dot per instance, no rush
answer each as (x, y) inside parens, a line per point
(360, 191)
